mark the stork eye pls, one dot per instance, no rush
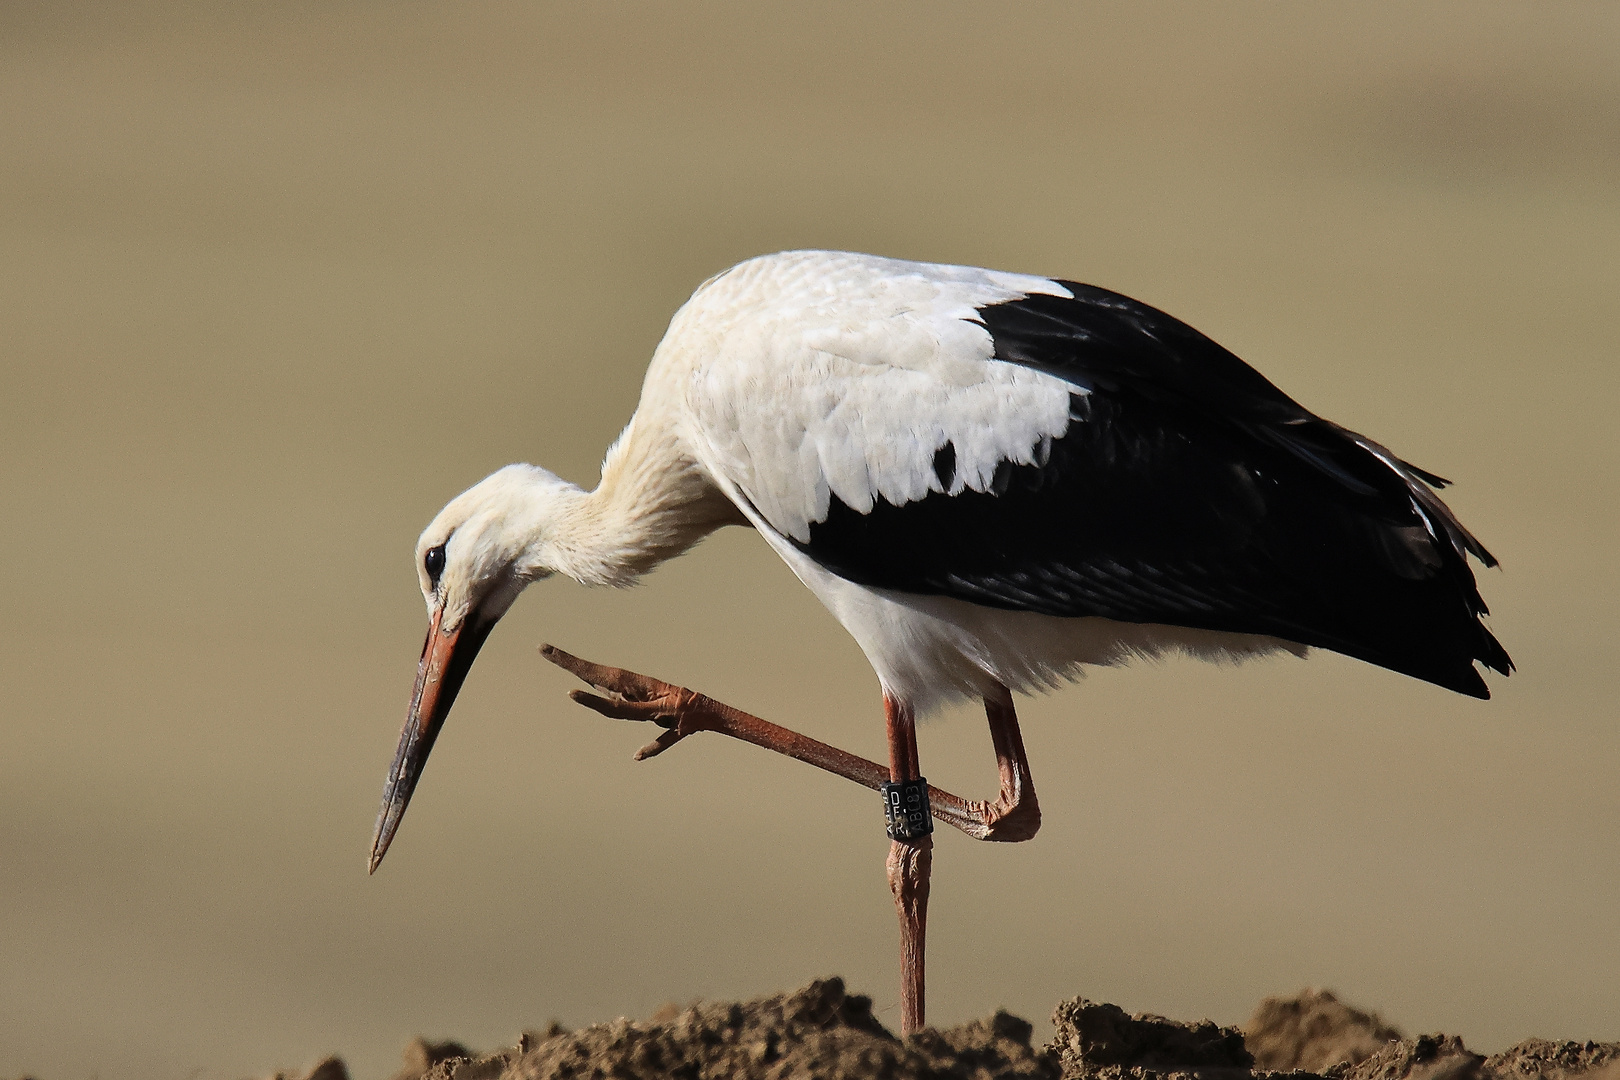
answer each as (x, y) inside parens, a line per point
(433, 563)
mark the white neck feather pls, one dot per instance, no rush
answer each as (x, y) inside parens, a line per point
(651, 505)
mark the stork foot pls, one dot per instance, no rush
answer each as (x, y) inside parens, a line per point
(633, 696)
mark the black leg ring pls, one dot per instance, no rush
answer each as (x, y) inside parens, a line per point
(905, 809)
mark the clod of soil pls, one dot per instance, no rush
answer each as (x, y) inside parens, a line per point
(421, 1055)
(824, 1033)
(1313, 1030)
(1103, 1042)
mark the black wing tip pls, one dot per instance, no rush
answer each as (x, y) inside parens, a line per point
(1466, 543)
(1462, 680)
(1434, 480)
(1496, 658)
(1468, 680)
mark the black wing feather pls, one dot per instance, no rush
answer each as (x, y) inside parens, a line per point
(1190, 491)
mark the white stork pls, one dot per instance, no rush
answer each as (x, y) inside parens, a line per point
(992, 481)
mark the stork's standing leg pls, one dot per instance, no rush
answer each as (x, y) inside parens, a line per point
(911, 855)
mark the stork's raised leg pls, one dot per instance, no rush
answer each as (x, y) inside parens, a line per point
(1014, 815)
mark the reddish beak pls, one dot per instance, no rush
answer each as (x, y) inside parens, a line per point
(447, 655)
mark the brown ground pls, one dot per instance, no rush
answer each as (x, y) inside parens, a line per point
(824, 1033)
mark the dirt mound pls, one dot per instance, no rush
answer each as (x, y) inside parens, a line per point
(820, 1031)
(1427, 1057)
(825, 1033)
(1103, 1042)
(1313, 1030)
(1538, 1059)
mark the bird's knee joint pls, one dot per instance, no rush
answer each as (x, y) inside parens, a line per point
(1017, 823)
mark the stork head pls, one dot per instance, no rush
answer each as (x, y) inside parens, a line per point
(472, 562)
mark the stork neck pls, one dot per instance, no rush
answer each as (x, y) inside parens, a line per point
(652, 504)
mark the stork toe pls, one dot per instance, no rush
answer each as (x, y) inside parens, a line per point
(614, 680)
(662, 710)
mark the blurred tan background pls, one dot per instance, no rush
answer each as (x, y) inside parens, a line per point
(277, 280)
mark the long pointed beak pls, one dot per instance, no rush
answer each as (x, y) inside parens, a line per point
(447, 655)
